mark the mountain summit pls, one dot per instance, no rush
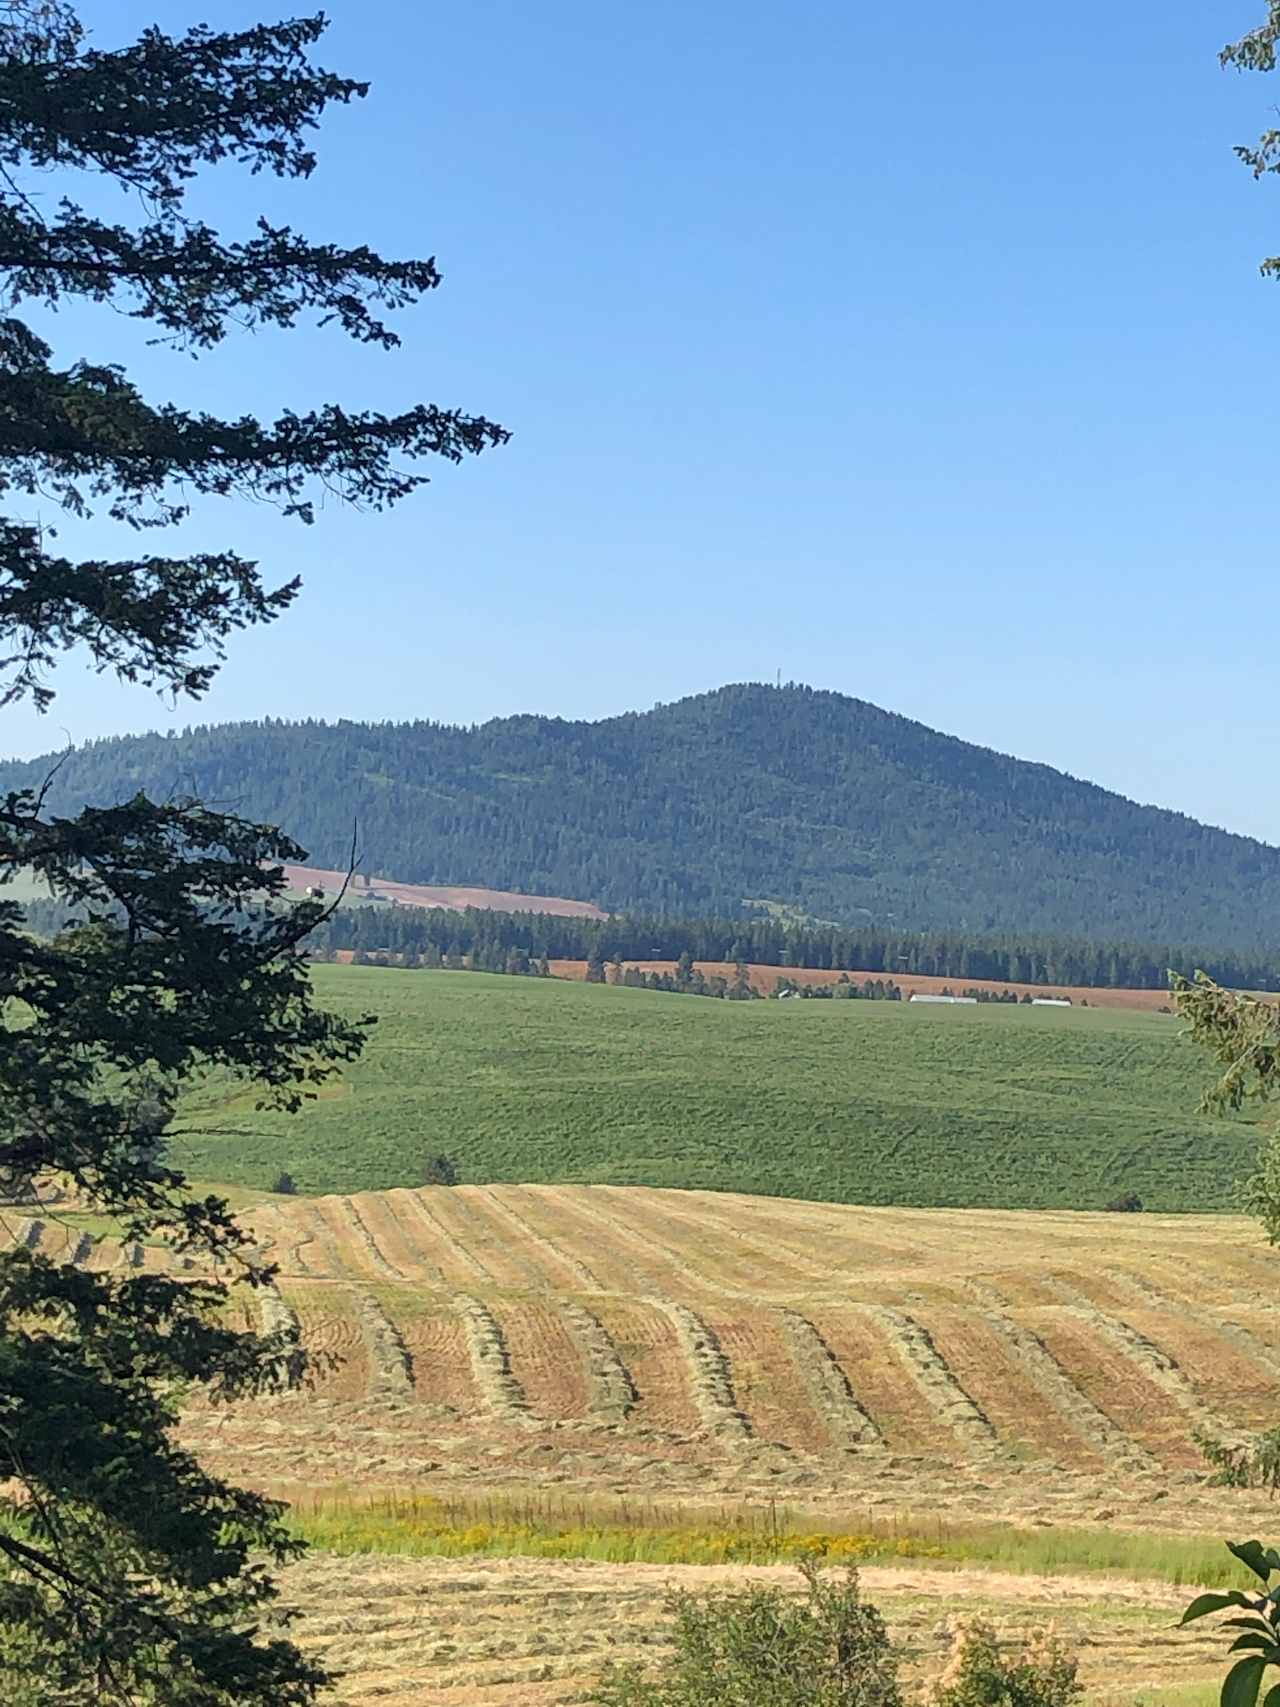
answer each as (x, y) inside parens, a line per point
(747, 794)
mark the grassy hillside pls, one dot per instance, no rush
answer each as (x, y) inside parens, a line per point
(860, 1102)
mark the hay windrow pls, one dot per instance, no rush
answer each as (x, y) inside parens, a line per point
(503, 1395)
(830, 1392)
(710, 1377)
(942, 1392)
(612, 1392)
(389, 1357)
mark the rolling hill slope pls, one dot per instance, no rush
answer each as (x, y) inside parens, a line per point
(528, 1079)
(749, 793)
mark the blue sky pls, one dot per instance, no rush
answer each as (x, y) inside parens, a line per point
(927, 361)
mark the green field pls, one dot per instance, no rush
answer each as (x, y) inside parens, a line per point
(522, 1079)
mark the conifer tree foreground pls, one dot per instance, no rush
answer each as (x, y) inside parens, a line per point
(127, 1572)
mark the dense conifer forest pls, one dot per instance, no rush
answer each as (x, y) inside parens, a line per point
(807, 800)
(523, 942)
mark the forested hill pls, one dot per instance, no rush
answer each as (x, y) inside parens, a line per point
(750, 793)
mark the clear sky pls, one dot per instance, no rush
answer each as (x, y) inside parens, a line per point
(916, 352)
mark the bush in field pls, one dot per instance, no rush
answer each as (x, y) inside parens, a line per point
(1043, 1674)
(284, 1186)
(1251, 1463)
(761, 1646)
(1128, 1204)
(440, 1170)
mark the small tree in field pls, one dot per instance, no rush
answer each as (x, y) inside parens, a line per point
(440, 1170)
(760, 1647)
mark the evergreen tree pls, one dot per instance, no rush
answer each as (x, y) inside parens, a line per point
(128, 1572)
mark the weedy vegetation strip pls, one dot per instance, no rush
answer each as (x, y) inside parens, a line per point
(618, 1532)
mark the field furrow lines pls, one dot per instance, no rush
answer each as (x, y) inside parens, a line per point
(938, 1385)
(403, 1214)
(326, 1312)
(399, 1252)
(325, 1253)
(457, 1265)
(501, 1393)
(1067, 1398)
(758, 1261)
(1030, 1403)
(1117, 1382)
(830, 1392)
(625, 1209)
(649, 1350)
(365, 1244)
(511, 1206)
(491, 1229)
(1156, 1364)
(546, 1360)
(438, 1349)
(480, 1237)
(650, 1267)
(763, 1369)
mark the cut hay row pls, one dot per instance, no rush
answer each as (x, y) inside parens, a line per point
(663, 1270)
(1118, 1383)
(827, 1385)
(457, 1265)
(325, 1256)
(546, 1359)
(390, 1363)
(408, 1225)
(649, 1350)
(1100, 1298)
(819, 1241)
(330, 1328)
(278, 1322)
(640, 1266)
(463, 1219)
(739, 1264)
(942, 1393)
(710, 1378)
(1159, 1368)
(398, 1251)
(568, 1216)
(364, 1240)
(502, 1394)
(562, 1266)
(611, 1393)
(1074, 1405)
(440, 1354)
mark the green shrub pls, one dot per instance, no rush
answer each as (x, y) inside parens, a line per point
(1043, 1674)
(1248, 1464)
(761, 1647)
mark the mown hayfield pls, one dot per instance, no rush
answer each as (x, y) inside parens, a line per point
(552, 1400)
(857, 1102)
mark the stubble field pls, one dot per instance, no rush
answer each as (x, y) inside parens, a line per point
(866, 1371)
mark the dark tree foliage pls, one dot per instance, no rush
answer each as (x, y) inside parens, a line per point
(820, 803)
(504, 942)
(127, 1572)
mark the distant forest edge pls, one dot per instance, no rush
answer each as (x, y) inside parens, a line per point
(491, 941)
(821, 804)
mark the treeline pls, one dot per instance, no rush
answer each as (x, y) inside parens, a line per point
(487, 940)
(767, 942)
